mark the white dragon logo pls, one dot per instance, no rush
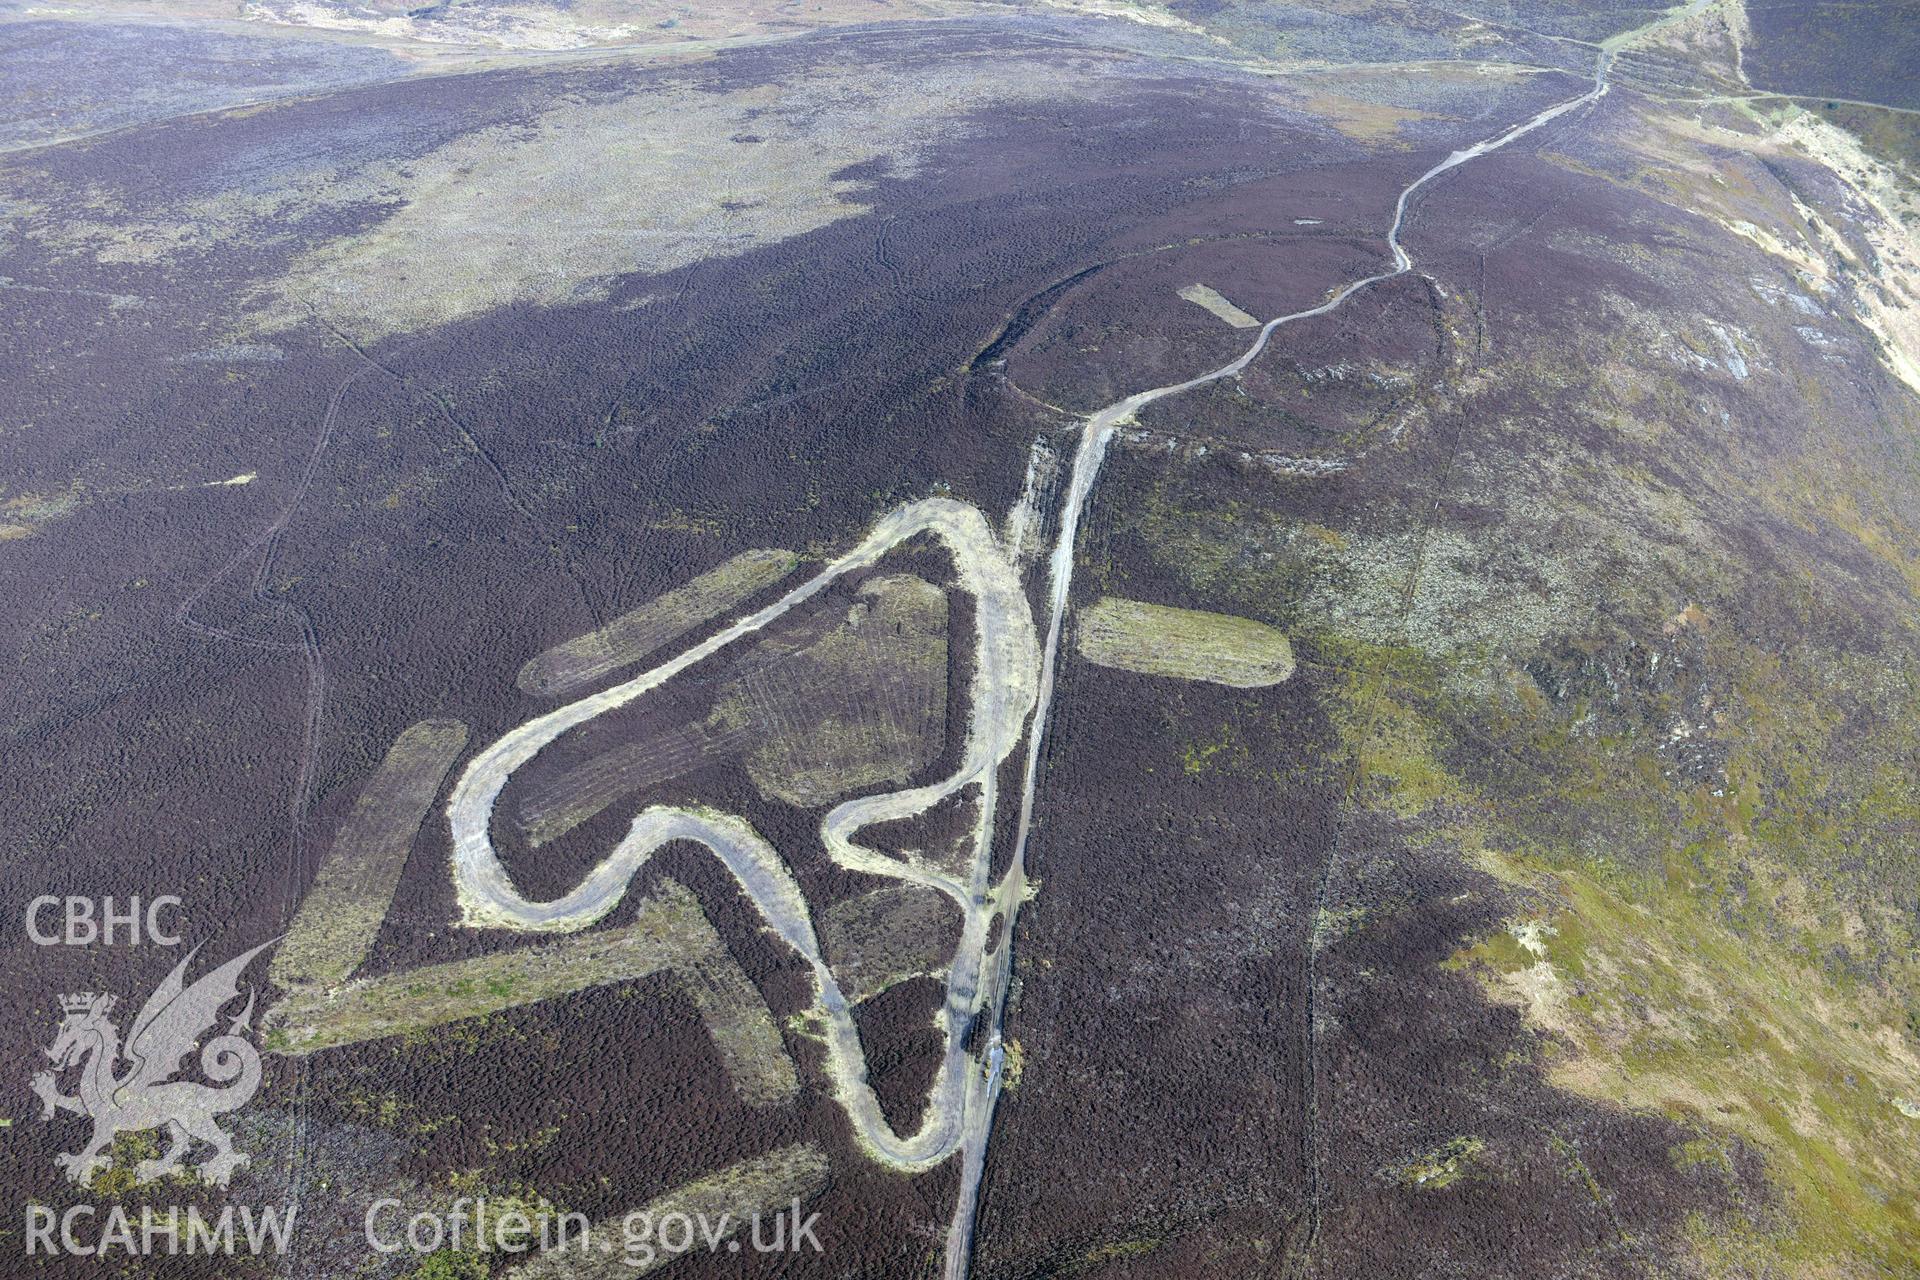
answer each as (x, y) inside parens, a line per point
(144, 1095)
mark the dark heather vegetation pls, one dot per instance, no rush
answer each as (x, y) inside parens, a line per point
(474, 494)
(1554, 918)
(1845, 50)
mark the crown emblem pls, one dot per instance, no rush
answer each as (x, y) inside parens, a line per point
(144, 1095)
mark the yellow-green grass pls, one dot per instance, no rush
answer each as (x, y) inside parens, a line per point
(341, 914)
(1724, 984)
(638, 632)
(669, 933)
(1187, 644)
(863, 705)
(1658, 1006)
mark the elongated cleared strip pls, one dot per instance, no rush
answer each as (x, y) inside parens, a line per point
(1094, 440)
(565, 801)
(1001, 694)
(1201, 295)
(665, 618)
(341, 913)
(669, 933)
(1187, 644)
(741, 1026)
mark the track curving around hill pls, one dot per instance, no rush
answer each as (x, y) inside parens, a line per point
(1095, 438)
(1001, 696)
(1014, 678)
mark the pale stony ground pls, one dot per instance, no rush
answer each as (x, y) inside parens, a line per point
(1206, 296)
(554, 211)
(669, 933)
(1001, 693)
(453, 248)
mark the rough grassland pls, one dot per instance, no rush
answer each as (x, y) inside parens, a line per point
(638, 632)
(341, 914)
(1189, 644)
(1653, 1004)
(1663, 689)
(708, 174)
(887, 936)
(862, 705)
(1650, 988)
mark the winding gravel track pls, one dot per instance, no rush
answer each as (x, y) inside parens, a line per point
(1013, 677)
(1094, 440)
(1001, 695)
